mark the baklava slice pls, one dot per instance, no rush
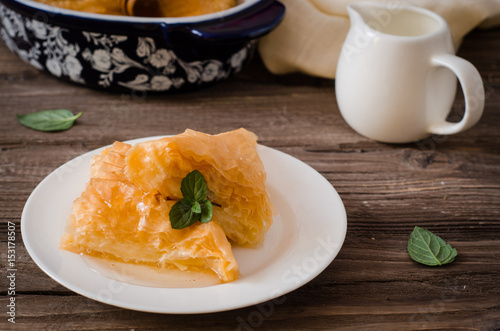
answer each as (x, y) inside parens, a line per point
(116, 220)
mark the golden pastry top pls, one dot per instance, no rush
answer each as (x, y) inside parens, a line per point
(147, 8)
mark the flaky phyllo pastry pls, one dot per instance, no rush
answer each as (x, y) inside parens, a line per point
(158, 8)
(123, 214)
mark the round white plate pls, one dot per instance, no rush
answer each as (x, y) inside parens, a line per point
(305, 237)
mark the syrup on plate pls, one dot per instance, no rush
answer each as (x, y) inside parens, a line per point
(152, 277)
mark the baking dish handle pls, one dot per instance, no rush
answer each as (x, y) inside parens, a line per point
(251, 26)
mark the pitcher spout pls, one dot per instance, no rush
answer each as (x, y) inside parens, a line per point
(355, 16)
(370, 13)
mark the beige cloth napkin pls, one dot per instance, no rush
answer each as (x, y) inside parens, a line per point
(310, 37)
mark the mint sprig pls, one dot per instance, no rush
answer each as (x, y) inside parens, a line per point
(427, 248)
(194, 206)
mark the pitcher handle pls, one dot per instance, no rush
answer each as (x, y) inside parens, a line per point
(473, 90)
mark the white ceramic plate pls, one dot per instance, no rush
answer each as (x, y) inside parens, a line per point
(306, 236)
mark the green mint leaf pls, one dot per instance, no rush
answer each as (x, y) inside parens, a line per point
(427, 248)
(49, 120)
(194, 186)
(187, 202)
(181, 216)
(196, 208)
(206, 212)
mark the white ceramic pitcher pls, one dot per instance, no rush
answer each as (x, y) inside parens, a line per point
(395, 79)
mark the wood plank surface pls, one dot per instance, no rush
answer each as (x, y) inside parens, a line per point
(449, 185)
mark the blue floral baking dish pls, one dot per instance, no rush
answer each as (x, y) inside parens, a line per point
(125, 53)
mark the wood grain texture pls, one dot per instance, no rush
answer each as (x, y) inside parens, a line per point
(449, 185)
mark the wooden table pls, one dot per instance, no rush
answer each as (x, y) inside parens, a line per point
(449, 185)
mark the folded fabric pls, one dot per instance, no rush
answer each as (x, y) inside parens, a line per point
(311, 35)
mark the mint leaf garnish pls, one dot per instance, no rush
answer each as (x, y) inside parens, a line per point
(181, 216)
(427, 248)
(206, 212)
(194, 186)
(49, 120)
(194, 206)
